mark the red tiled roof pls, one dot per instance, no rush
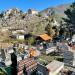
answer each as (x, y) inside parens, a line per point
(30, 63)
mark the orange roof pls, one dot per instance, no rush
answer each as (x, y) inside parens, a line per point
(45, 37)
(32, 52)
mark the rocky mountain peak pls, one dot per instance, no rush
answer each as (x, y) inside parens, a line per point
(12, 12)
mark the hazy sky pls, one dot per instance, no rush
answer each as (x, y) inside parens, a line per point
(26, 4)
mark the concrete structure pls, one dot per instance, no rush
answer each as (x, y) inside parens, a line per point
(51, 49)
(52, 68)
(20, 37)
(19, 58)
(55, 67)
(32, 11)
(8, 60)
(73, 38)
(5, 52)
(4, 49)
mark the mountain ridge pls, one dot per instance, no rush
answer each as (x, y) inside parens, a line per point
(16, 18)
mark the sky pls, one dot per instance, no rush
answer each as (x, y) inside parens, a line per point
(34, 4)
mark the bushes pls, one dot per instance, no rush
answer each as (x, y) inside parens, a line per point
(30, 40)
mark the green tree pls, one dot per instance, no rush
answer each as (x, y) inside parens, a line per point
(70, 20)
(24, 70)
(14, 64)
(2, 71)
(56, 29)
(49, 30)
(31, 40)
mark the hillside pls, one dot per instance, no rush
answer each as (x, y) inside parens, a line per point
(57, 12)
(17, 19)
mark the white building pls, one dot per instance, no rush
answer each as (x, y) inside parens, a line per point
(8, 60)
(20, 37)
(73, 38)
(51, 49)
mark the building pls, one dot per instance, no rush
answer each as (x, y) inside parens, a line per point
(29, 63)
(33, 52)
(32, 11)
(45, 43)
(50, 50)
(43, 37)
(53, 68)
(73, 38)
(18, 36)
(6, 50)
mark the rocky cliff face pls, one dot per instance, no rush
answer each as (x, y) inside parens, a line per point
(17, 19)
(57, 12)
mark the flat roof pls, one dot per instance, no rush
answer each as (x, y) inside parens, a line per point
(54, 65)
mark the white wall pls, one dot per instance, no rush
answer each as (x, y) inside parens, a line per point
(21, 37)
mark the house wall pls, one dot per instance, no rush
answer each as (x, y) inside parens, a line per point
(31, 11)
(57, 71)
(20, 37)
(49, 50)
